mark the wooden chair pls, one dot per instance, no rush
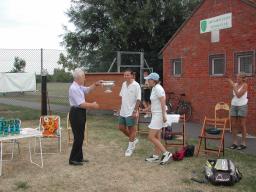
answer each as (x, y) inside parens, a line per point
(180, 138)
(143, 121)
(51, 128)
(221, 106)
(210, 132)
(69, 129)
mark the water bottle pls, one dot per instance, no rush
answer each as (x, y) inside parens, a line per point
(1, 127)
(17, 126)
(12, 126)
(5, 128)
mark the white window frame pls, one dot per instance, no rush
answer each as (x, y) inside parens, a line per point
(211, 59)
(174, 65)
(213, 72)
(239, 62)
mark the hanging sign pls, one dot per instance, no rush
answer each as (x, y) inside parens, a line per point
(216, 23)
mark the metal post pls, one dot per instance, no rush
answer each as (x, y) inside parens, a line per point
(112, 64)
(141, 66)
(44, 92)
(118, 61)
(42, 66)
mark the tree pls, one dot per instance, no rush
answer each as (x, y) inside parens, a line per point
(67, 62)
(19, 65)
(59, 75)
(105, 26)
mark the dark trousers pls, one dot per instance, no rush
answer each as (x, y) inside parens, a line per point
(77, 117)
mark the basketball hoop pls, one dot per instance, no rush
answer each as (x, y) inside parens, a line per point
(108, 85)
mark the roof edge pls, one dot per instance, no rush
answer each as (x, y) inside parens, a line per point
(183, 24)
(248, 2)
(251, 3)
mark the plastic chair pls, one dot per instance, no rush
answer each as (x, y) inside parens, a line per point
(51, 128)
(69, 129)
(179, 135)
(210, 132)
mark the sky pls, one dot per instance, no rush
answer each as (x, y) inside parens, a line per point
(32, 24)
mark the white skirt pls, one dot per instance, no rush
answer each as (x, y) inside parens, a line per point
(156, 121)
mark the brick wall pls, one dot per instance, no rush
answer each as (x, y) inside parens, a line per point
(194, 48)
(107, 101)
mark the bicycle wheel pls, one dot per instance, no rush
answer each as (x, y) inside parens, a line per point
(185, 108)
(169, 107)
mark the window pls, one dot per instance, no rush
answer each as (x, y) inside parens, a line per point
(176, 67)
(244, 62)
(217, 65)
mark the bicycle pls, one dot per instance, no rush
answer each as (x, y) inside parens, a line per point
(178, 105)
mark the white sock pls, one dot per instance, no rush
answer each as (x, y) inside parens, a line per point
(130, 144)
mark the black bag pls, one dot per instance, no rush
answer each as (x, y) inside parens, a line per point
(222, 172)
(189, 151)
(167, 133)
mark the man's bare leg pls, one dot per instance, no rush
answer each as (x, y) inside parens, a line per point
(124, 130)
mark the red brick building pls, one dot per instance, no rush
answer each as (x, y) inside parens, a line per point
(198, 62)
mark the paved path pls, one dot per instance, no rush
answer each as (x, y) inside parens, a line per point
(193, 129)
(33, 105)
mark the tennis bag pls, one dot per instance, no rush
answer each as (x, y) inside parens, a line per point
(222, 172)
(189, 151)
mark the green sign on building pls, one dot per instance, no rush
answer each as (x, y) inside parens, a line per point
(216, 23)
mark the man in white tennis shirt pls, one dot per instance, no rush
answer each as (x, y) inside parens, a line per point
(131, 97)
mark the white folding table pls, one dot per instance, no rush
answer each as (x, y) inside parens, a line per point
(25, 133)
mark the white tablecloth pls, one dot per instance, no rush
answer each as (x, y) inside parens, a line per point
(173, 118)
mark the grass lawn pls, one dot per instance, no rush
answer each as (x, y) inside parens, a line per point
(109, 170)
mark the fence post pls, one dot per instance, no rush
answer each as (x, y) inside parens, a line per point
(43, 87)
(42, 57)
(44, 92)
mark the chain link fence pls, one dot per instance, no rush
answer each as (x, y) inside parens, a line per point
(36, 60)
(58, 81)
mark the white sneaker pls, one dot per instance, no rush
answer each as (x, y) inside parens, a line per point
(165, 158)
(129, 152)
(135, 142)
(153, 158)
(129, 149)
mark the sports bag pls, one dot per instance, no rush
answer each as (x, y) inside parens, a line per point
(222, 172)
(179, 155)
(189, 151)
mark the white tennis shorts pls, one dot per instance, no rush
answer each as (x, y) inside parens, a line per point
(156, 121)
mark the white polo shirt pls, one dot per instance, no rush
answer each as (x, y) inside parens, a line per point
(130, 94)
(156, 93)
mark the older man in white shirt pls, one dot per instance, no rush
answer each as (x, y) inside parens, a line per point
(131, 97)
(77, 114)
